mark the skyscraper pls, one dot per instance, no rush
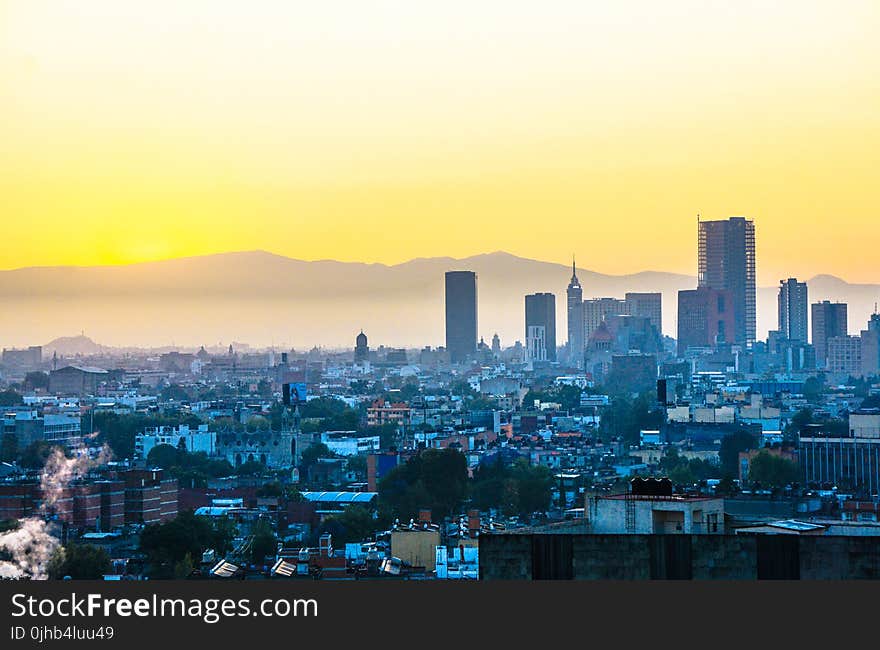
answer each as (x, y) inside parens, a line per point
(575, 313)
(647, 305)
(461, 314)
(792, 302)
(541, 326)
(829, 321)
(596, 309)
(705, 318)
(727, 262)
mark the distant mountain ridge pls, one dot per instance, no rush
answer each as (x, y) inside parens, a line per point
(264, 298)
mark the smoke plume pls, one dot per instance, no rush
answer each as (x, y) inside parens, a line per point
(31, 545)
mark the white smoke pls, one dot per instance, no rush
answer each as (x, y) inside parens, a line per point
(32, 544)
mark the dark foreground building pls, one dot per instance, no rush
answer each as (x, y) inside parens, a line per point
(575, 556)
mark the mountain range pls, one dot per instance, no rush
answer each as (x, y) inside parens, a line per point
(268, 299)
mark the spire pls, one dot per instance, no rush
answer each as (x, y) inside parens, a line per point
(574, 282)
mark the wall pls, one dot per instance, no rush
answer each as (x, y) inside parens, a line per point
(511, 556)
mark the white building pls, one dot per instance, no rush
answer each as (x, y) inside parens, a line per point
(195, 440)
(348, 443)
(649, 515)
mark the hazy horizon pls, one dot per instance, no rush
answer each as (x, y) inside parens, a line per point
(266, 299)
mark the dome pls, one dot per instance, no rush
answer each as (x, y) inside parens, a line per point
(361, 340)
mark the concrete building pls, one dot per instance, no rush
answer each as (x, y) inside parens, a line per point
(851, 462)
(416, 544)
(76, 380)
(150, 497)
(541, 326)
(29, 426)
(726, 251)
(461, 315)
(193, 440)
(381, 412)
(596, 310)
(828, 321)
(349, 443)
(17, 362)
(648, 305)
(646, 514)
(870, 347)
(792, 303)
(706, 318)
(844, 355)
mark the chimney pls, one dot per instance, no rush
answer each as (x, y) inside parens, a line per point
(473, 522)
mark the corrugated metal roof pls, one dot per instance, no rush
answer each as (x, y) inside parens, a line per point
(340, 497)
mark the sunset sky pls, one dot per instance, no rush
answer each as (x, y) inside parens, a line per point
(382, 131)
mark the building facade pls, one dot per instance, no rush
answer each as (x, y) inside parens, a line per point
(541, 321)
(461, 315)
(726, 252)
(706, 318)
(647, 305)
(792, 303)
(829, 320)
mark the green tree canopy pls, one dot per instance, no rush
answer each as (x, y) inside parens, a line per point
(771, 470)
(80, 562)
(435, 479)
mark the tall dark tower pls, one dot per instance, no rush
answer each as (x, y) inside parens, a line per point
(461, 315)
(727, 263)
(575, 313)
(541, 326)
(361, 349)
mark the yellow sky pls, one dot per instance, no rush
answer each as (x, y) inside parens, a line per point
(383, 131)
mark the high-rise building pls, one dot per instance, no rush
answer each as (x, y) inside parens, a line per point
(461, 315)
(647, 305)
(575, 299)
(727, 262)
(541, 326)
(792, 303)
(870, 344)
(829, 320)
(705, 318)
(844, 355)
(361, 349)
(595, 311)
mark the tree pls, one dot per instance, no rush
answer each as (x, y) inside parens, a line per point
(264, 542)
(516, 489)
(313, 452)
(354, 524)
(80, 562)
(771, 470)
(167, 544)
(435, 479)
(8, 447)
(10, 398)
(37, 453)
(37, 380)
(174, 392)
(731, 445)
(164, 456)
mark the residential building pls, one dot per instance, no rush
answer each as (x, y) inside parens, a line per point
(828, 321)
